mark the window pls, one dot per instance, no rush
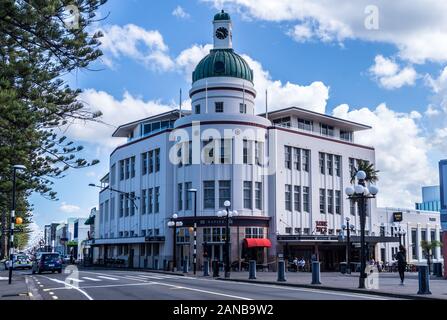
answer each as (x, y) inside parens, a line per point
(188, 195)
(306, 199)
(254, 232)
(346, 135)
(150, 200)
(245, 152)
(225, 151)
(143, 201)
(132, 233)
(132, 167)
(337, 161)
(330, 201)
(297, 198)
(306, 160)
(157, 160)
(296, 159)
(423, 234)
(180, 196)
(121, 210)
(414, 244)
(288, 197)
(382, 231)
(224, 192)
(287, 157)
(121, 169)
(282, 122)
(337, 201)
(189, 153)
(197, 108)
(144, 163)
(289, 230)
(151, 161)
(208, 195)
(258, 152)
(242, 108)
(112, 175)
(219, 107)
(126, 205)
(112, 208)
(132, 203)
(127, 168)
(247, 195)
(322, 201)
(157, 199)
(326, 130)
(321, 161)
(258, 195)
(305, 124)
(330, 165)
(298, 230)
(207, 235)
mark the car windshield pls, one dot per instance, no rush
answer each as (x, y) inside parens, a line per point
(21, 257)
(50, 257)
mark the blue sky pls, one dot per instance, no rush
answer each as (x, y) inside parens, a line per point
(311, 56)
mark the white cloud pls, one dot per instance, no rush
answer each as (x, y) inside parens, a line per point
(145, 46)
(431, 111)
(388, 73)
(439, 88)
(301, 32)
(418, 29)
(69, 208)
(179, 12)
(188, 59)
(401, 152)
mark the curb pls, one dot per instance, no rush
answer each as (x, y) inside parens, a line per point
(308, 286)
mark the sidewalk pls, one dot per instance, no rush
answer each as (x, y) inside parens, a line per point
(388, 283)
(17, 290)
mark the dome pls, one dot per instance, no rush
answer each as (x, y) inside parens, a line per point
(221, 16)
(222, 63)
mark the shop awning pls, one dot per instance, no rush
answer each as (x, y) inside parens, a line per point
(257, 242)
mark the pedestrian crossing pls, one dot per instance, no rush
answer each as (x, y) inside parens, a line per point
(134, 277)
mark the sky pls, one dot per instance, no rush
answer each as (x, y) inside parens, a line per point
(382, 63)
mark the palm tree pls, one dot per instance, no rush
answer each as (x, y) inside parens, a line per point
(428, 248)
(368, 168)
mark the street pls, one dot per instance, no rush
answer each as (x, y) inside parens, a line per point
(137, 285)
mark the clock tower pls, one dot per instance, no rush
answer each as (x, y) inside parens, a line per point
(222, 31)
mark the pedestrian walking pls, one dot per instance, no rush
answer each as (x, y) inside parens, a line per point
(401, 263)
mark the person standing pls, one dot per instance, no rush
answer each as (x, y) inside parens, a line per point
(401, 263)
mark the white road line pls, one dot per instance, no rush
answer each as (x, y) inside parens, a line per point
(75, 280)
(205, 291)
(41, 285)
(91, 279)
(150, 277)
(108, 278)
(136, 278)
(51, 293)
(109, 286)
(71, 286)
(55, 298)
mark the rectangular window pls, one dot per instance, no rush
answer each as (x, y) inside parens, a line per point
(258, 195)
(258, 152)
(288, 197)
(337, 161)
(225, 151)
(330, 165)
(144, 163)
(330, 201)
(382, 231)
(224, 192)
(326, 130)
(188, 196)
(306, 160)
(106, 210)
(157, 160)
(296, 159)
(289, 230)
(322, 201)
(132, 203)
(157, 199)
(242, 108)
(219, 107)
(423, 234)
(132, 167)
(337, 201)
(306, 199)
(197, 107)
(247, 195)
(297, 198)
(150, 200)
(287, 157)
(151, 161)
(121, 209)
(112, 208)
(121, 169)
(346, 135)
(180, 196)
(414, 244)
(245, 152)
(282, 122)
(208, 195)
(126, 205)
(143, 201)
(127, 173)
(305, 124)
(112, 175)
(321, 162)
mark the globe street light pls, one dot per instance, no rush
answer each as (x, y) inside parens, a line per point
(227, 214)
(348, 227)
(360, 194)
(173, 223)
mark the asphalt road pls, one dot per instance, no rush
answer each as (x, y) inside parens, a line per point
(137, 285)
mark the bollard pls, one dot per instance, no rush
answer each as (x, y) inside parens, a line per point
(316, 272)
(215, 268)
(206, 267)
(424, 280)
(252, 270)
(281, 270)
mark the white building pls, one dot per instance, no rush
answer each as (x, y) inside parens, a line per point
(416, 225)
(284, 172)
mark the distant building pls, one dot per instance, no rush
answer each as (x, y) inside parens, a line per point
(443, 192)
(80, 234)
(431, 199)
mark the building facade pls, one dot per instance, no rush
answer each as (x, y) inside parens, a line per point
(431, 199)
(284, 172)
(443, 192)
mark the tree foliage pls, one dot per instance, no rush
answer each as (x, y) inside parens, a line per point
(371, 173)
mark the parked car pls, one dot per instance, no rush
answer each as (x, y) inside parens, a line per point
(47, 261)
(20, 261)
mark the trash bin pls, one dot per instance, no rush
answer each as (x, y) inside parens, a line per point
(343, 267)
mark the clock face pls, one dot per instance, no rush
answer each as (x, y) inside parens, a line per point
(221, 33)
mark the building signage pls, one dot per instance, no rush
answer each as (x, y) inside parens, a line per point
(321, 226)
(154, 239)
(397, 216)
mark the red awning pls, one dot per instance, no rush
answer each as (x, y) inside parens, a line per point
(256, 242)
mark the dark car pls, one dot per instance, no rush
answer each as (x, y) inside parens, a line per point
(47, 262)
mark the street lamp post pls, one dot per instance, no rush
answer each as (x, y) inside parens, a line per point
(118, 191)
(195, 230)
(348, 227)
(173, 223)
(360, 194)
(401, 233)
(227, 214)
(13, 215)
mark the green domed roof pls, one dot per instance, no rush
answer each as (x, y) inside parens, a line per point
(221, 16)
(222, 63)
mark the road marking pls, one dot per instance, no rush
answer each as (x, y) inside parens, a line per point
(91, 279)
(41, 285)
(136, 278)
(75, 280)
(51, 293)
(55, 298)
(71, 286)
(205, 291)
(30, 294)
(108, 278)
(150, 277)
(108, 286)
